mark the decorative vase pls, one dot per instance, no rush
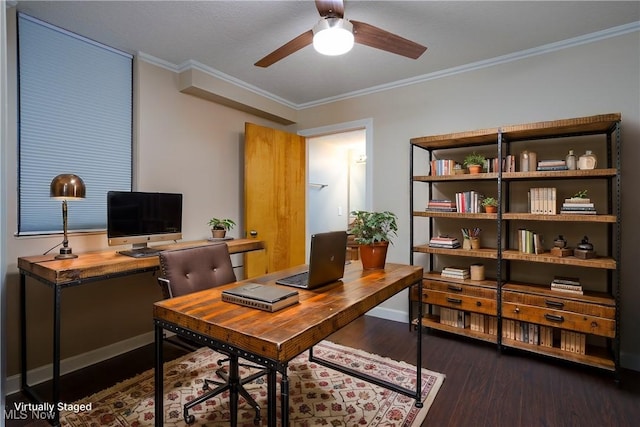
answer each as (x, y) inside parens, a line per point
(374, 255)
(218, 234)
(477, 271)
(571, 160)
(587, 161)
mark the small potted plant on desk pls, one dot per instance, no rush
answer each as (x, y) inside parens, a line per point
(474, 162)
(373, 232)
(219, 227)
(490, 205)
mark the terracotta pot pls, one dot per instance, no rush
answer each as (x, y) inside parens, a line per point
(374, 255)
(218, 234)
(474, 169)
(490, 209)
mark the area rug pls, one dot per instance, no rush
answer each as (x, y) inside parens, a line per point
(319, 396)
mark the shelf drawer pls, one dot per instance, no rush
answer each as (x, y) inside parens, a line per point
(560, 319)
(460, 301)
(559, 303)
(460, 289)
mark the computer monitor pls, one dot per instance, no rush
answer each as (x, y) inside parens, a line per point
(137, 218)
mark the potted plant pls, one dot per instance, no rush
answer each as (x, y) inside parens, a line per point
(474, 162)
(219, 227)
(373, 232)
(490, 204)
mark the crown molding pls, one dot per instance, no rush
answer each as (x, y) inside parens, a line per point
(516, 56)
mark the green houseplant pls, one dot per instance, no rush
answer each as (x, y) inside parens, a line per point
(490, 204)
(219, 227)
(373, 231)
(474, 162)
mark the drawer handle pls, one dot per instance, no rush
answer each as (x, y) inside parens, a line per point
(478, 304)
(554, 318)
(516, 310)
(454, 288)
(454, 300)
(556, 304)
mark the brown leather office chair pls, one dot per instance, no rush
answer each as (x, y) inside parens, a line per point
(195, 269)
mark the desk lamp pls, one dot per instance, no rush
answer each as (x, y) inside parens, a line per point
(66, 187)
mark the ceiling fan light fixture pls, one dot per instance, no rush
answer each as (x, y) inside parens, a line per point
(333, 36)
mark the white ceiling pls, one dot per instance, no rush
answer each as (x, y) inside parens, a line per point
(228, 37)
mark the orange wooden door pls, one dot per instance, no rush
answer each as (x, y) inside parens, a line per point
(274, 198)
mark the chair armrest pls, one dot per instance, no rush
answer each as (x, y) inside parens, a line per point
(165, 285)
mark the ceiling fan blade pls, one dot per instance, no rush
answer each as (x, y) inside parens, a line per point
(380, 39)
(304, 39)
(330, 8)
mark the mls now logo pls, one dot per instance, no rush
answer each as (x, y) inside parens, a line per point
(24, 411)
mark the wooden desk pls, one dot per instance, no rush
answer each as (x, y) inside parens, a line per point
(273, 339)
(88, 267)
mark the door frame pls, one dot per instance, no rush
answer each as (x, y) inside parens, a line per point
(367, 125)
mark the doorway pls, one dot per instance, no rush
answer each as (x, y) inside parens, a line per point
(339, 174)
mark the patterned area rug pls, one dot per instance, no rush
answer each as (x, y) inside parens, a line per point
(319, 396)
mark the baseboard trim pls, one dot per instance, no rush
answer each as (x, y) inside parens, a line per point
(44, 373)
(389, 314)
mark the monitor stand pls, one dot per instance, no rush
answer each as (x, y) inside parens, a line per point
(140, 251)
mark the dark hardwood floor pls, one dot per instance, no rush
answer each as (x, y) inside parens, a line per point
(482, 388)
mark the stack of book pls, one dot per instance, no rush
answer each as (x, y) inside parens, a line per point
(578, 206)
(441, 205)
(455, 272)
(468, 202)
(566, 284)
(552, 165)
(445, 242)
(542, 201)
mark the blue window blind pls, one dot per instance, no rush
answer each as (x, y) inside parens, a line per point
(75, 103)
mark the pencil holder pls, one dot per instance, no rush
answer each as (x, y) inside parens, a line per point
(475, 242)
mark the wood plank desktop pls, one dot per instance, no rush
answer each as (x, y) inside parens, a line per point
(105, 264)
(273, 339)
(86, 268)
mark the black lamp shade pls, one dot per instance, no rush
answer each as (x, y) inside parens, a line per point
(67, 186)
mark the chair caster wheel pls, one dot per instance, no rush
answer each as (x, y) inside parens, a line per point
(189, 419)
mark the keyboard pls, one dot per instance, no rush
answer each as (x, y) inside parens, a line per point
(300, 280)
(141, 253)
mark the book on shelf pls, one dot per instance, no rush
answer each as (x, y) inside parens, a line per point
(468, 202)
(529, 242)
(552, 165)
(441, 205)
(542, 201)
(445, 242)
(578, 212)
(442, 167)
(565, 280)
(455, 272)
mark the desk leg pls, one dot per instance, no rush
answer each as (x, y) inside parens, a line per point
(23, 332)
(57, 291)
(159, 378)
(419, 403)
(284, 397)
(234, 382)
(272, 378)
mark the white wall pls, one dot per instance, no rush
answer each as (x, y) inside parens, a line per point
(595, 78)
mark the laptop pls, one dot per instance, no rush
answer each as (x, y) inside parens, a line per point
(326, 261)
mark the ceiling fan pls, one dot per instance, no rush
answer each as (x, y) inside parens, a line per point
(332, 20)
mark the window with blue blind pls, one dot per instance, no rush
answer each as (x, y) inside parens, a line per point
(75, 112)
